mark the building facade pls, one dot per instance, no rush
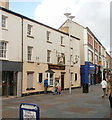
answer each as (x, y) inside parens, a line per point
(93, 54)
(10, 54)
(31, 51)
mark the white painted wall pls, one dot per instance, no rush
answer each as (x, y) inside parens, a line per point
(40, 44)
(13, 36)
(78, 31)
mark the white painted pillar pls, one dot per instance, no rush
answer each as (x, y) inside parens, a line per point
(19, 81)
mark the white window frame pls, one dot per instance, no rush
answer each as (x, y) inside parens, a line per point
(4, 21)
(3, 49)
(29, 53)
(50, 79)
(29, 30)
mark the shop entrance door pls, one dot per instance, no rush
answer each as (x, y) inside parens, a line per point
(9, 83)
(62, 81)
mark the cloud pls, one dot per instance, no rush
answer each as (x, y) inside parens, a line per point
(92, 13)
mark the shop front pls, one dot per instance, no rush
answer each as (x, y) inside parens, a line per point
(11, 78)
(88, 73)
(58, 71)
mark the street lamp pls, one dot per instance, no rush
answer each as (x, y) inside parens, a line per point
(69, 19)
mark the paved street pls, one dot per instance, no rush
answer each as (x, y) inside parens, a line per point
(76, 105)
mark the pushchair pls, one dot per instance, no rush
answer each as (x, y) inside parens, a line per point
(54, 91)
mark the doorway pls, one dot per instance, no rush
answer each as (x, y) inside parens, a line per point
(9, 83)
(62, 80)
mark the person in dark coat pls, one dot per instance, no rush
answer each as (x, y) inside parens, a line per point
(45, 85)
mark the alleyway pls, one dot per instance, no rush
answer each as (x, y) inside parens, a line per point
(76, 105)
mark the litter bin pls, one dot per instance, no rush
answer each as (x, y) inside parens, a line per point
(85, 88)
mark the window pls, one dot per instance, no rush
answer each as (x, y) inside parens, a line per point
(29, 53)
(3, 49)
(96, 46)
(62, 40)
(40, 77)
(75, 76)
(4, 21)
(50, 77)
(90, 56)
(29, 80)
(99, 49)
(90, 41)
(96, 59)
(29, 30)
(48, 55)
(48, 36)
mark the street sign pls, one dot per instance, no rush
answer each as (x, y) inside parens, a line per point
(29, 111)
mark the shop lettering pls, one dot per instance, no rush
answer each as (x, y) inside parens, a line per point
(57, 67)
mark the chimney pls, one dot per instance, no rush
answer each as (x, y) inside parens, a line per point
(4, 4)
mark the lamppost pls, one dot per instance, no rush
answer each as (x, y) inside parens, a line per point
(69, 20)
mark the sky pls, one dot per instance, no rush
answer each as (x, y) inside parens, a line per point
(94, 14)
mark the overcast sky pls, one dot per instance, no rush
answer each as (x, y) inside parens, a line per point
(94, 14)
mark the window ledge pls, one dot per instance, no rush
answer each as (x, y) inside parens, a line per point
(50, 85)
(1, 58)
(3, 28)
(30, 36)
(49, 41)
(62, 45)
(30, 61)
(30, 89)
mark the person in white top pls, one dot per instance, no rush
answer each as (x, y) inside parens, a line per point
(104, 85)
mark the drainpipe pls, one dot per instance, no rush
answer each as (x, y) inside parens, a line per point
(21, 53)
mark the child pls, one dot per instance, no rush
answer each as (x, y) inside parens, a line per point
(59, 90)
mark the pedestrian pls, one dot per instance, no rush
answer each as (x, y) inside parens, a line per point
(109, 91)
(104, 86)
(45, 85)
(59, 89)
(55, 87)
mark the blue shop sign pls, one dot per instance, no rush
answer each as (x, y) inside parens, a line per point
(91, 68)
